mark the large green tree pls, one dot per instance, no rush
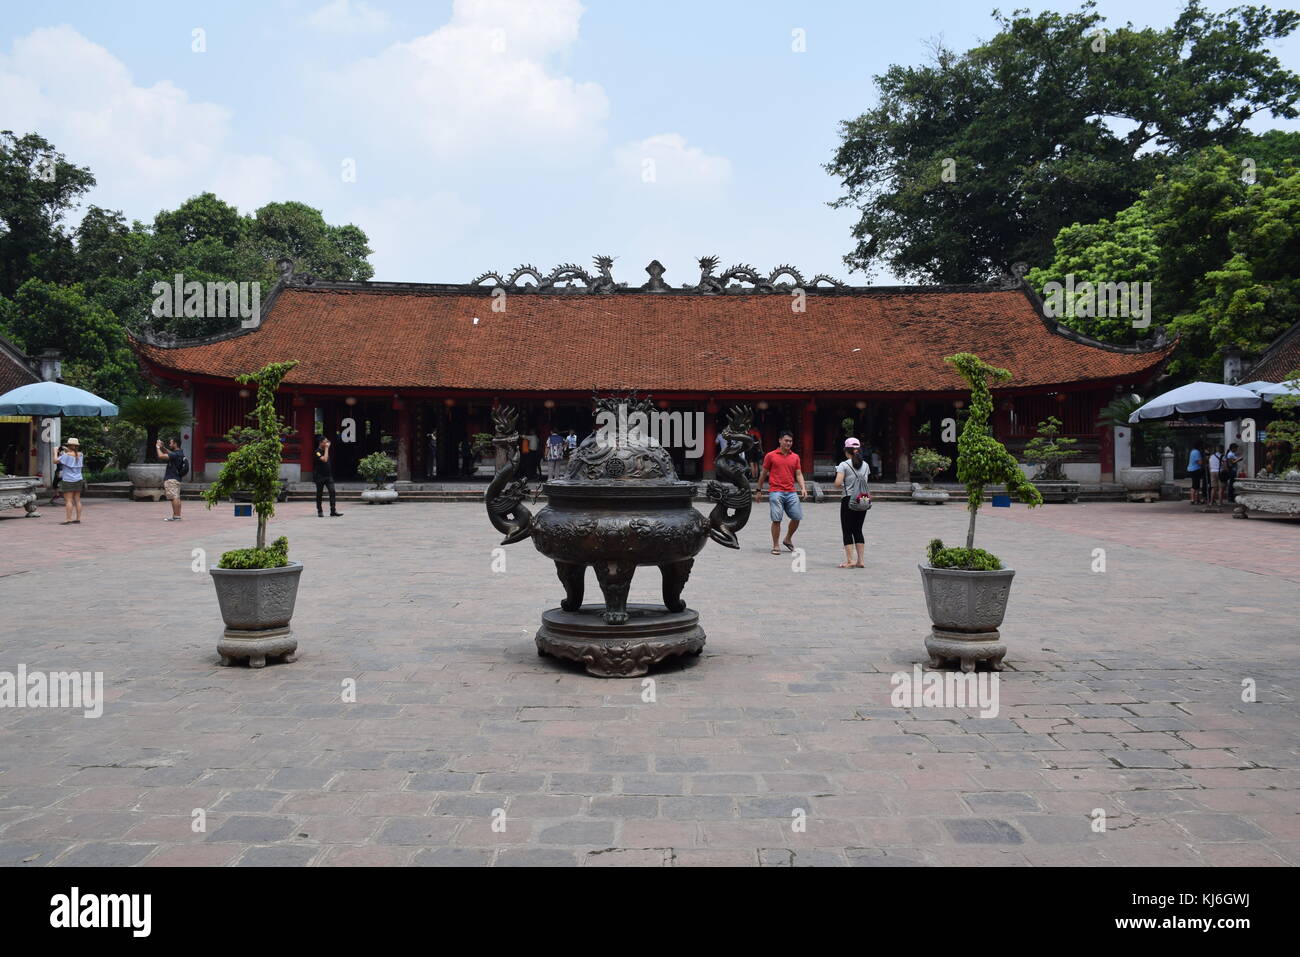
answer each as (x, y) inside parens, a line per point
(1218, 238)
(38, 187)
(975, 162)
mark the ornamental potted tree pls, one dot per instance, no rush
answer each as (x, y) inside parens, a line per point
(378, 468)
(153, 413)
(929, 463)
(966, 589)
(1049, 451)
(257, 587)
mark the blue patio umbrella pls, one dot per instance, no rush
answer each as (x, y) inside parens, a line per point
(53, 398)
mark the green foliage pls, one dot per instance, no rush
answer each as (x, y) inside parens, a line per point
(1023, 120)
(929, 463)
(106, 475)
(106, 442)
(967, 559)
(1222, 254)
(848, 424)
(96, 356)
(1049, 451)
(154, 413)
(1284, 433)
(981, 459)
(482, 443)
(376, 467)
(275, 555)
(255, 465)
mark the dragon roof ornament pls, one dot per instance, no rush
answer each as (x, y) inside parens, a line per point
(569, 277)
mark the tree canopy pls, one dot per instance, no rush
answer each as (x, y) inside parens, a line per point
(976, 161)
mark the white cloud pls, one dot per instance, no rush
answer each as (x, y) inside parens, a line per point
(412, 234)
(480, 86)
(346, 17)
(149, 147)
(665, 160)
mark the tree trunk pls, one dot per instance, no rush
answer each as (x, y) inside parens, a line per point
(970, 530)
(261, 531)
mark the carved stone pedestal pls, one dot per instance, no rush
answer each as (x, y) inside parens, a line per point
(256, 646)
(967, 648)
(627, 650)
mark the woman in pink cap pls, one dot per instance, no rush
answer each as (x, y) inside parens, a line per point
(851, 476)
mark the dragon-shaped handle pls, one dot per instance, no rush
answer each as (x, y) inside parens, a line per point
(504, 496)
(733, 494)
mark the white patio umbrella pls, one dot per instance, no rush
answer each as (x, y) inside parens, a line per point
(1213, 400)
(53, 398)
(1268, 391)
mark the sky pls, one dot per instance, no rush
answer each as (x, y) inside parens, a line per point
(477, 135)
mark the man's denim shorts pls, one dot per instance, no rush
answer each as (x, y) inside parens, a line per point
(787, 502)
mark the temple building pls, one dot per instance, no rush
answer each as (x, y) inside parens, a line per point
(415, 368)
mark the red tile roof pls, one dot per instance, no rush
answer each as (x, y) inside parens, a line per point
(1280, 359)
(862, 340)
(15, 368)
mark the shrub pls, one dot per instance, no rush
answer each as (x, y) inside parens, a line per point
(154, 413)
(376, 467)
(967, 559)
(929, 463)
(1049, 451)
(275, 555)
(255, 464)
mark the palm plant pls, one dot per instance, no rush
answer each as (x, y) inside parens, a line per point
(154, 413)
(1150, 437)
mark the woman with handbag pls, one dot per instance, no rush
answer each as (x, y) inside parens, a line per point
(851, 476)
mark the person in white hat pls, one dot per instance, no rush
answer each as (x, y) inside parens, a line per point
(851, 476)
(71, 483)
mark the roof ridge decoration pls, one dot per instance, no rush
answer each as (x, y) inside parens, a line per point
(708, 284)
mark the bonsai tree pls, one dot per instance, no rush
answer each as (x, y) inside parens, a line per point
(1049, 451)
(481, 443)
(376, 467)
(1148, 437)
(981, 461)
(1284, 434)
(254, 466)
(930, 463)
(153, 413)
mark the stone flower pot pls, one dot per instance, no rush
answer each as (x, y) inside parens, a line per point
(146, 479)
(928, 496)
(966, 608)
(256, 605)
(379, 496)
(1142, 484)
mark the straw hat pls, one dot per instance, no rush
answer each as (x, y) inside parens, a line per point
(72, 442)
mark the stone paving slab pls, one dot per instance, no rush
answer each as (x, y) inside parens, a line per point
(779, 747)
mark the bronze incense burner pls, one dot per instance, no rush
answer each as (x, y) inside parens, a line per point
(620, 505)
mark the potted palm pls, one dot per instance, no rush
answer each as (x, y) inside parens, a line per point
(929, 463)
(1050, 451)
(966, 589)
(257, 587)
(154, 414)
(1141, 482)
(379, 469)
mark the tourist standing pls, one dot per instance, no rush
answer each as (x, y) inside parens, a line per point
(176, 468)
(322, 472)
(755, 454)
(782, 465)
(555, 454)
(1196, 471)
(570, 444)
(71, 482)
(852, 476)
(1231, 463)
(1216, 483)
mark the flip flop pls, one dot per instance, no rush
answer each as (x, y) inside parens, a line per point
(775, 551)
(788, 545)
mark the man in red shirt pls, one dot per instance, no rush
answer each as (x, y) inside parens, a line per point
(782, 465)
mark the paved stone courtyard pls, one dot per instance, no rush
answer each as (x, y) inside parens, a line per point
(1124, 694)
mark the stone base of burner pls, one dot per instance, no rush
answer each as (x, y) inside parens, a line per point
(628, 650)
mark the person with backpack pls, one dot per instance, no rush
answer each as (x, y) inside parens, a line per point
(852, 477)
(177, 468)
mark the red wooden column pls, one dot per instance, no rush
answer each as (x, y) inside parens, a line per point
(807, 444)
(903, 441)
(710, 438)
(403, 440)
(305, 422)
(199, 433)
